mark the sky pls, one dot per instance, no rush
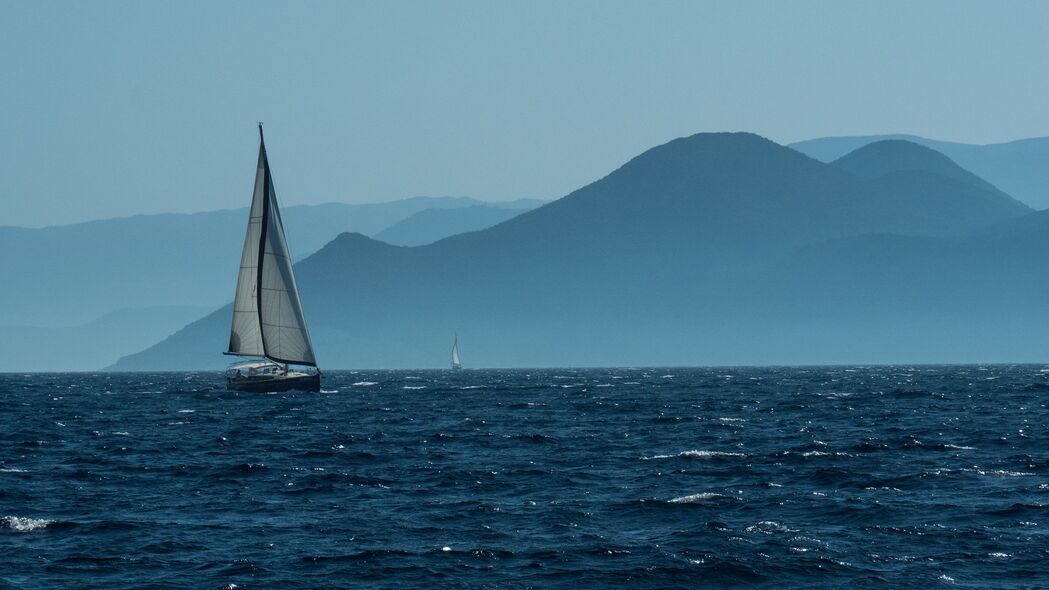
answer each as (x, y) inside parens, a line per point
(120, 108)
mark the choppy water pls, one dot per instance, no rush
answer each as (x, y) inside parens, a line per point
(775, 477)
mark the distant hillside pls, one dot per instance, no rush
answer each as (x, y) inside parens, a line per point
(431, 225)
(1017, 167)
(69, 275)
(93, 345)
(674, 258)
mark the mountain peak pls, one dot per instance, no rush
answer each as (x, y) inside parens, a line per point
(721, 143)
(890, 156)
(716, 162)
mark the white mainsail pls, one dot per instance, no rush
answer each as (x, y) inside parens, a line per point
(267, 314)
(455, 353)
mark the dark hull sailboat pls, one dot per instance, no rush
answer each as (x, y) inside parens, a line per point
(269, 378)
(268, 322)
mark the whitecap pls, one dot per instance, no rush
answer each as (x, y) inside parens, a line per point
(186, 411)
(1005, 473)
(696, 455)
(24, 524)
(414, 387)
(700, 497)
(329, 391)
(706, 454)
(364, 383)
(768, 527)
(13, 470)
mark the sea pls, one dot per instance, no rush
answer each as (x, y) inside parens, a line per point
(779, 477)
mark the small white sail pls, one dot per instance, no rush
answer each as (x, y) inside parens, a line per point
(267, 314)
(456, 364)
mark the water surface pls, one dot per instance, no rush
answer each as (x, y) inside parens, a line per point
(774, 477)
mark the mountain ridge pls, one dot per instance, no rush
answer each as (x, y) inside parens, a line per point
(160, 259)
(651, 263)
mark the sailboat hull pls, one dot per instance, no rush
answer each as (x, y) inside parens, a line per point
(275, 383)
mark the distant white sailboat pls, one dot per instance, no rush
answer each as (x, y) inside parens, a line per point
(268, 322)
(456, 363)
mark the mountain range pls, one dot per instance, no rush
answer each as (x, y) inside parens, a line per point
(67, 282)
(719, 248)
(72, 274)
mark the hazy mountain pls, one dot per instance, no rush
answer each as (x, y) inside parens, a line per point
(68, 275)
(897, 299)
(952, 199)
(431, 225)
(677, 257)
(1017, 167)
(92, 345)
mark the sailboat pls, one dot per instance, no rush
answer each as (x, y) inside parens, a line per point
(268, 323)
(456, 364)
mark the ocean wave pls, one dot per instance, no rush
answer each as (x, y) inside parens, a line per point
(768, 527)
(700, 498)
(697, 455)
(365, 383)
(979, 471)
(24, 524)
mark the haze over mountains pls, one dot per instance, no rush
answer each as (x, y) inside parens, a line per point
(711, 249)
(430, 225)
(1017, 167)
(69, 282)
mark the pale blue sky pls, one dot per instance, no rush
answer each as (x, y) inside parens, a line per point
(118, 108)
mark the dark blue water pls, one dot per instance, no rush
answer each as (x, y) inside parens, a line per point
(658, 478)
